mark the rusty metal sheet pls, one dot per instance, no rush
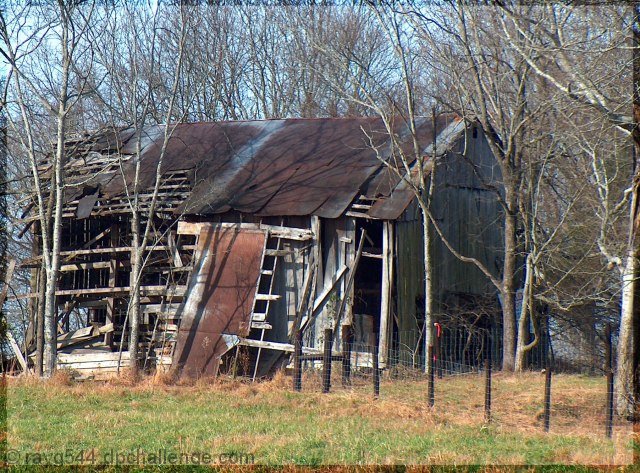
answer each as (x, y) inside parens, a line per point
(86, 203)
(270, 167)
(219, 298)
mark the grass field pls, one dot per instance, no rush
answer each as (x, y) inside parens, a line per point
(266, 423)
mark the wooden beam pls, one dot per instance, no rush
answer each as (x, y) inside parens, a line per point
(8, 275)
(99, 236)
(289, 233)
(387, 284)
(113, 272)
(328, 290)
(17, 352)
(176, 291)
(286, 347)
(65, 268)
(317, 304)
(352, 274)
(103, 251)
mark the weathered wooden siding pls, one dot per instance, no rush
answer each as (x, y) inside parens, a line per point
(410, 276)
(289, 277)
(288, 283)
(338, 238)
(469, 215)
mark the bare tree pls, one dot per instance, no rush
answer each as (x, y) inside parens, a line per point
(576, 50)
(58, 35)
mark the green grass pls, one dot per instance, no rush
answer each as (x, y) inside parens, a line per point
(269, 424)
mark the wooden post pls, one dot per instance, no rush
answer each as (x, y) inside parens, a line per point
(608, 360)
(297, 362)
(113, 271)
(487, 390)
(347, 332)
(387, 283)
(326, 360)
(376, 369)
(438, 350)
(431, 387)
(547, 396)
(487, 377)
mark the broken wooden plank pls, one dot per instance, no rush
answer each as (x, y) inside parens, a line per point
(261, 325)
(175, 254)
(106, 328)
(96, 238)
(290, 233)
(329, 289)
(103, 251)
(17, 352)
(8, 275)
(268, 297)
(286, 347)
(91, 357)
(271, 252)
(81, 332)
(303, 306)
(176, 291)
(352, 273)
(160, 308)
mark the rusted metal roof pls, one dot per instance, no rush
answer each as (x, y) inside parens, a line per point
(273, 167)
(220, 297)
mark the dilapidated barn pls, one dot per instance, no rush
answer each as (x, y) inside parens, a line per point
(263, 227)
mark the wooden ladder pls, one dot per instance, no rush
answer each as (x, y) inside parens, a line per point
(262, 303)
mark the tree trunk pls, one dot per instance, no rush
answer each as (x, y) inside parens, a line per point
(508, 292)
(526, 313)
(428, 290)
(624, 364)
(50, 309)
(39, 319)
(134, 284)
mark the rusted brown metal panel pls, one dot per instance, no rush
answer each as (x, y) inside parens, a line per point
(270, 167)
(220, 297)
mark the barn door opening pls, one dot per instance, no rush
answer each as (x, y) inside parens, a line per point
(367, 294)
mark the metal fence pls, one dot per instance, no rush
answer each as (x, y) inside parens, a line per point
(340, 366)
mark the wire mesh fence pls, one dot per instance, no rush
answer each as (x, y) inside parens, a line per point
(549, 402)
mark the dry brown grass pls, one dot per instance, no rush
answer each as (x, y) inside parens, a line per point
(578, 408)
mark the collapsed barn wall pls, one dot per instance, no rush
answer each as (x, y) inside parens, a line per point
(309, 258)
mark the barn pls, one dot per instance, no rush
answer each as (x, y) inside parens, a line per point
(265, 229)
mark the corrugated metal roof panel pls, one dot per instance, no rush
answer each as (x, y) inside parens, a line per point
(274, 167)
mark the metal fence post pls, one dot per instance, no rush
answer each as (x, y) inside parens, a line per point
(487, 379)
(346, 355)
(326, 360)
(487, 390)
(376, 369)
(297, 362)
(547, 396)
(608, 360)
(431, 393)
(438, 350)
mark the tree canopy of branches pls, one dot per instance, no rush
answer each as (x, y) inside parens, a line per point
(551, 87)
